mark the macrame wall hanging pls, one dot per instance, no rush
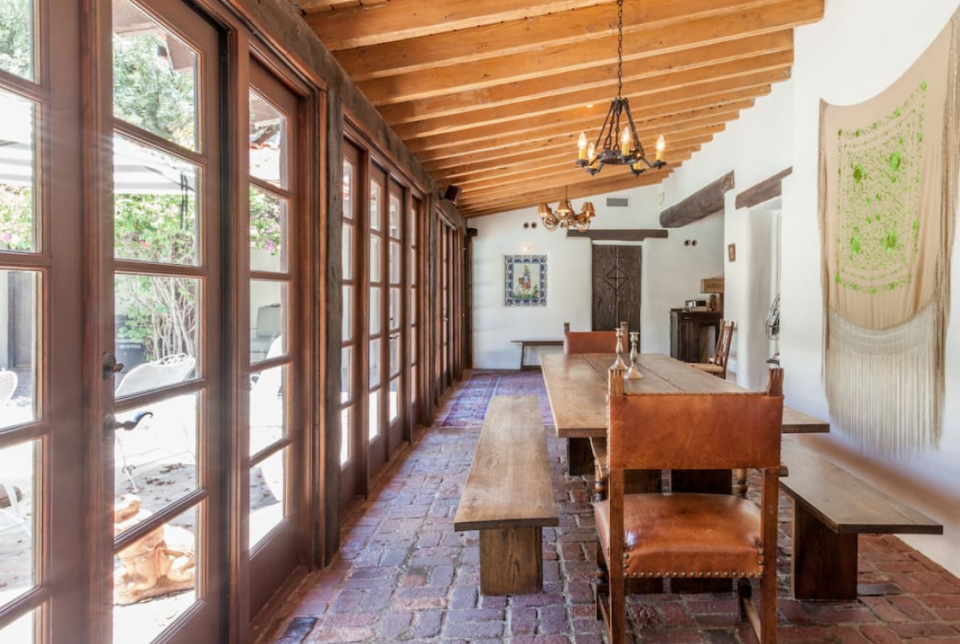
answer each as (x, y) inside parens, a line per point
(888, 198)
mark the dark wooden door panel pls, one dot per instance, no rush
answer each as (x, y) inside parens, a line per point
(616, 287)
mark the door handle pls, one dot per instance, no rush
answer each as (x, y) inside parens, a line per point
(110, 421)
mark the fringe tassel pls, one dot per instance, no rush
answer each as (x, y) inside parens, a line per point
(882, 384)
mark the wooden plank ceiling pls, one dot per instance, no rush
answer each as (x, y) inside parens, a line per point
(491, 95)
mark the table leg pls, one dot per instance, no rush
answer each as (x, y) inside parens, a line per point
(579, 457)
(824, 563)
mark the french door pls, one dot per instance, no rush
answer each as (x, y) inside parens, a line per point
(164, 419)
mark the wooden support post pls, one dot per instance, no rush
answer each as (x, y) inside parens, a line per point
(703, 202)
(824, 562)
(511, 561)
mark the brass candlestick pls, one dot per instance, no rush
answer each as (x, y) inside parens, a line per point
(634, 372)
(619, 363)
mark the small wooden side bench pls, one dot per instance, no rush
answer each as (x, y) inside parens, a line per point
(831, 508)
(533, 343)
(509, 496)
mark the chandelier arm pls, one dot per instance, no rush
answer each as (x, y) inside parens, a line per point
(638, 146)
(607, 122)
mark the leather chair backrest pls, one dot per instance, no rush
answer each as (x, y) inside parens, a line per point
(695, 431)
(590, 342)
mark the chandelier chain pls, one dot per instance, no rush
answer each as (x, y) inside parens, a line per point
(619, 48)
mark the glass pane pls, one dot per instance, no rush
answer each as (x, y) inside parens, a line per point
(347, 313)
(17, 153)
(268, 418)
(267, 490)
(146, 603)
(374, 362)
(154, 205)
(413, 384)
(374, 259)
(375, 206)
(347, 252)
(268, 142)
(157, 331)
(16, 37)
(412, 225)
(374, 309)
(156, 462)
(347, 189)
(413, 266)
(268, 231)
(394, 308)
(412, 309)
(413, 345)
(373, 420)
(345, 435)
(394, 217)
(394, 354)
(346, 374)
(394, 399)
(268, 315)
(18, 530)
(395, 260)
(154, 77)
(22, 630)
(18, 347)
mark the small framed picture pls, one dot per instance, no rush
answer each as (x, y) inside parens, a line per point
(731, 252)
(525, 280)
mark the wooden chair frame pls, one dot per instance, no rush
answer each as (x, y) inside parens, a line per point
(629, 451)
(718, 363)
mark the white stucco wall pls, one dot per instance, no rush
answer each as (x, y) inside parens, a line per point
(671, 273)
(857, 50)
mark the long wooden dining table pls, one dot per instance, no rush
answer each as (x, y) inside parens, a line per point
(577, 389)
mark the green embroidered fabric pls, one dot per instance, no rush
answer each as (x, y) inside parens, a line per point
(878, 201)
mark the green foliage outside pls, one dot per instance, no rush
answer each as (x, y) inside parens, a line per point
(16, 29)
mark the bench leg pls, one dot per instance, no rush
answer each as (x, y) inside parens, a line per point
(824, 562)
(579, 457)
(511, 561)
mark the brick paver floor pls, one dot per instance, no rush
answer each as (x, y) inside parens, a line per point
(403, 574)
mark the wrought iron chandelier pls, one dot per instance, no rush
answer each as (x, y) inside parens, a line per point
(592, 158)
(565, 216)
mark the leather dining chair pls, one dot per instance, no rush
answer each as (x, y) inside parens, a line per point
(689, 535)
(718, 363)
(591, 341)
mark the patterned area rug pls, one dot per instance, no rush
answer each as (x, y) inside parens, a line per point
(471, 403)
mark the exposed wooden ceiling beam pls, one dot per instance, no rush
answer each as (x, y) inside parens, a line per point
(578, 28)
(557, 153)
(435, 163)
(595, 78)
(510, 132)
(406, 19)
(518, 67)
(573, 106)
(591, 188)
(549, 166)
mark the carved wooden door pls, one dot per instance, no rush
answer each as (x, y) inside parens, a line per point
(616, 287)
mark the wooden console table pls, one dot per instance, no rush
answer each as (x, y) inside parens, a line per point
(533, 343)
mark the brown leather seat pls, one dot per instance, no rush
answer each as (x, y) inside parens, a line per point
(686, 535)
(590, 342)
(683, 535)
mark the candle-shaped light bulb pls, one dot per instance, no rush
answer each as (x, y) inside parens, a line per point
(661, 146)
(591, 152)
(582, 146)
(625, 142)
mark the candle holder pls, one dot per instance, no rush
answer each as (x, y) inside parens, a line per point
(619, 363)
(634, 372)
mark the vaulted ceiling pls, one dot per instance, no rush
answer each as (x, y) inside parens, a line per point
(491, 95)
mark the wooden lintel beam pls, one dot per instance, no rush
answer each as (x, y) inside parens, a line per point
(519, 67)
(405, 19)
(703, 202)
(625, 234)
(763, 191)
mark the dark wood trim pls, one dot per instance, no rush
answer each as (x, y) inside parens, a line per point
(764, 191)
(332, 270)
(626, 234)
(706, 201)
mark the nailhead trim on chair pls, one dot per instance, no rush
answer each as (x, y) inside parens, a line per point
(744, 575)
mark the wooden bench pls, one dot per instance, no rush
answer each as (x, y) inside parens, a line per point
(533, 343)
(509, 496)
(831, 508)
